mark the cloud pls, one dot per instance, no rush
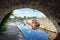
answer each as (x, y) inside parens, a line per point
(28, 12)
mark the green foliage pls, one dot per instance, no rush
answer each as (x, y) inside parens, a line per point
(4, 22)
(25, 18)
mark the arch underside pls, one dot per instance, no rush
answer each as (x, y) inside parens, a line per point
(49, 7)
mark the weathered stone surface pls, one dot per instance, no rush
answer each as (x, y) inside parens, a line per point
(51, 8)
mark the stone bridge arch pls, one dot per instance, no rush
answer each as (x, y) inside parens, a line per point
(49, 7)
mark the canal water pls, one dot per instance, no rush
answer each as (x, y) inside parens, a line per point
(31, 34)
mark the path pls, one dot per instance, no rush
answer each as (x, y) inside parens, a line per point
(12, 33)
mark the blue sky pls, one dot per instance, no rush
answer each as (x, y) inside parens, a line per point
(27, 12)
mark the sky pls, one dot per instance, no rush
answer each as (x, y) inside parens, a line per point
(27, 12)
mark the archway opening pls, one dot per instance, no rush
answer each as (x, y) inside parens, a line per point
(29, 14)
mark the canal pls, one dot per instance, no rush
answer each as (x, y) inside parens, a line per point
(29, 33)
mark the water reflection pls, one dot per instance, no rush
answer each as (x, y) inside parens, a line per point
(31, 34)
